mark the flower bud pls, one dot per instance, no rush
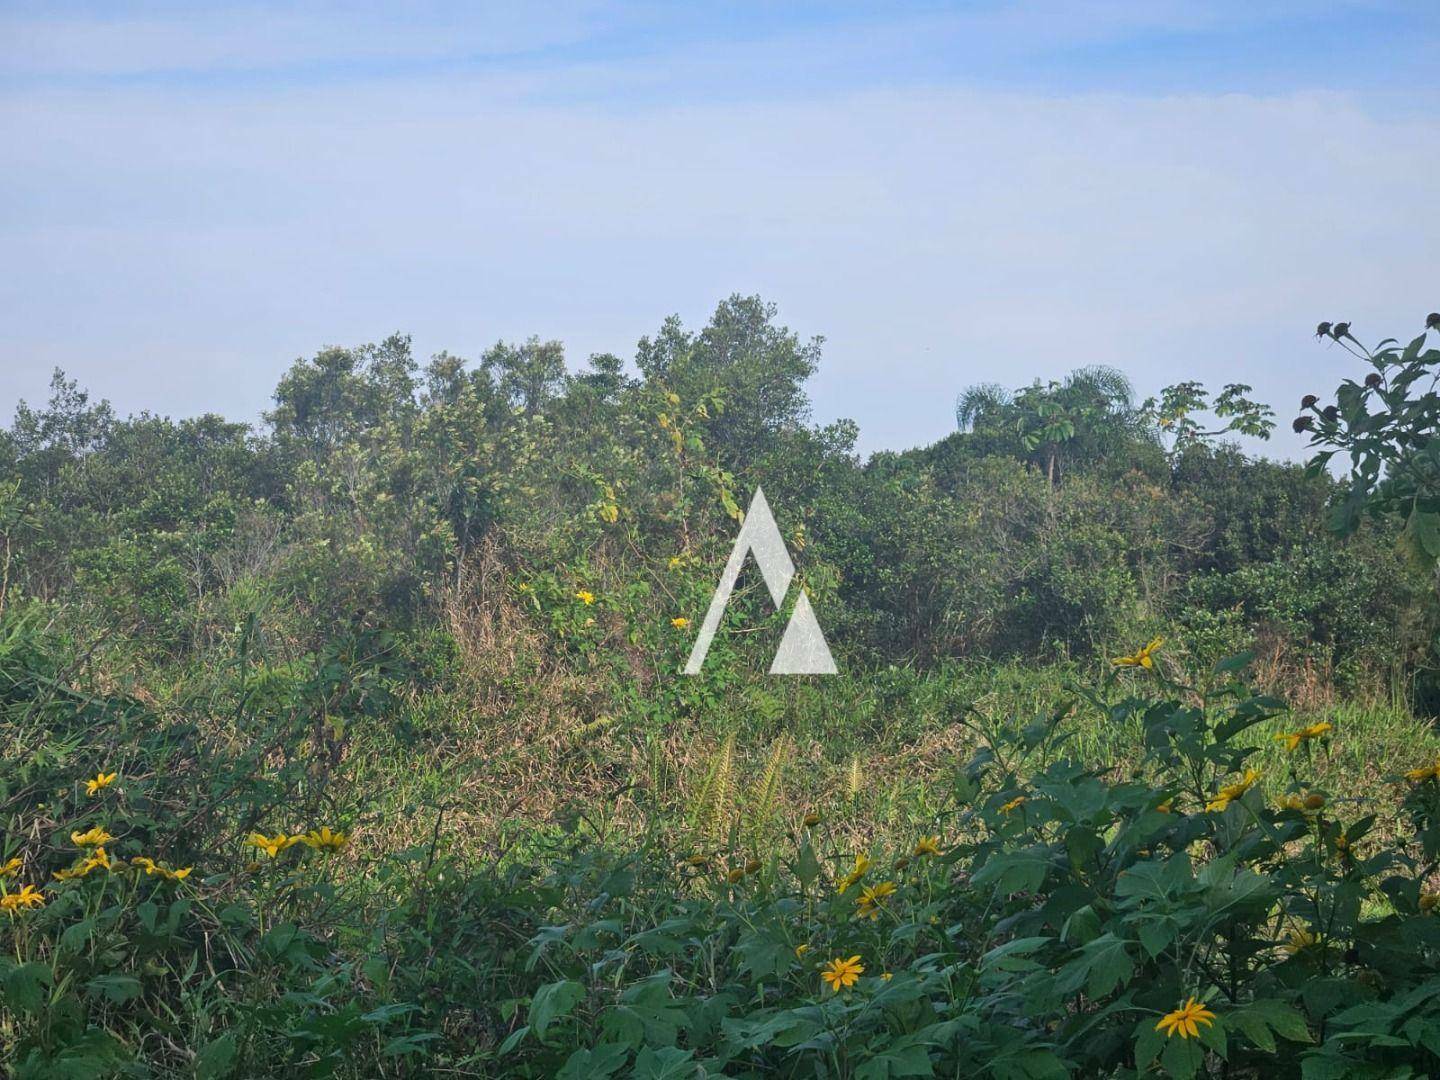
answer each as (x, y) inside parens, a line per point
(1302, 423)
(1323, 330)
(1308, 401)
(1373, 380)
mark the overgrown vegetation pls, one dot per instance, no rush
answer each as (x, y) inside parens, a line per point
(356, 745)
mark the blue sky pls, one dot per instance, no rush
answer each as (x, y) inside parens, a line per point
(191, 197)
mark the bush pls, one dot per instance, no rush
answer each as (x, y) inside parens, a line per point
(1046, 923)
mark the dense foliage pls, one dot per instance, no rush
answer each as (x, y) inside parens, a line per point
(1066, 520)
(355, 744)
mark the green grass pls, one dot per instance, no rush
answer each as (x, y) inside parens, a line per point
(910, 732)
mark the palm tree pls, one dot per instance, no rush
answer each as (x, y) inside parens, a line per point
(981, 403)
(1091, 411)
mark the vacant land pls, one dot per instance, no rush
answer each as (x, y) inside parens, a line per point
(355, 744)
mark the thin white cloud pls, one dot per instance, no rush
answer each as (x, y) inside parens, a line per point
(178, 250)
(350, 39)
(247, 37)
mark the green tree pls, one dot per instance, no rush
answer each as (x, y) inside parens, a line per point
(758, 369)
(1175, 414)
(1388, 425)
(1088, 414)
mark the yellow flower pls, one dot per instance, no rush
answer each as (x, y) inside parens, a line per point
(927, 845)
(1429, 772)
(1342, 846)
(91, 838)
(272, 845)
(1428, 900)
(524, 586)
(1305, 804)
(877, 893)
(841, 974)
(752, 866)
(97, 860)
(1298, 940)
(610, 513)
(811, 819)
(26, 898)
(697, 861)
(886, 976)
(862, 863)
(871, 898)
(322, 839)
(680, 622)
(151, 868)
(1184, 1020)
(585, 597)
(1141, 658)
(735, 874)
(801, 950)
(1013, 804)
(100, 783)
(11, 867)
(674, 563)
(1230, 792)
(1293, 739)
(1167, 806)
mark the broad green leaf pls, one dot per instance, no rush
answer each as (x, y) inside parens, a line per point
(1264, 1018)
(552, 1001)
(666, 1063)
(215, 1058)
(597, 1063)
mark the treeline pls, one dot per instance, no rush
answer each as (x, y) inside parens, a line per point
(1063, 520)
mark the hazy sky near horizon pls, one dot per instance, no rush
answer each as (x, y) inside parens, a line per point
(193, 196)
